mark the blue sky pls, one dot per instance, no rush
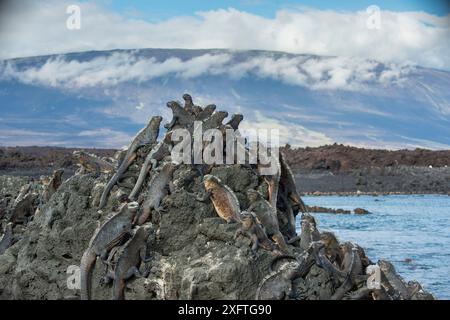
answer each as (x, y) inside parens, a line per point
(160, 10)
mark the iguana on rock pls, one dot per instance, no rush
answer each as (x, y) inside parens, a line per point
(91, 163)
(394, 279)
(206, 112)
(132, 255)
(309, 232)
(281, 288)
(107, 236)
(287, 182)
(223, 198)
(214, 121)
(25, 190)
(235, 120)
(332, 248)
(157, 154)
(272, 180)
(350, 273)
(417, 292)
(267, 216)
(157, 190)
(146, 136)
(188, 103)
(251, 228)
(7, 238)
(181, 118)
(53, 185)
(25, 208)
(190, 107)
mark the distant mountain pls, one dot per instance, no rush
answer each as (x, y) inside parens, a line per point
(101, 99)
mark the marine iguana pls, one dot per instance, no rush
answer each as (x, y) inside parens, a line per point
(206, 112)
(265, 158)
(332, 248)
(417, 292)
(181, 118)
(350, 272)
(107, 236)
(223, 198)
(53, 185)
(235, 120)
(157, 190)
(286, 217)
(267, 216)
(7, 238)
(189, 105)
(309, 232)
(158, 153)
(132, 255)
(23, 192)
(146, 136)
(287, 181)
(91, 163)
(214, 121)
(24, 209)
(251, 228)
(397, 283)
(282, 289)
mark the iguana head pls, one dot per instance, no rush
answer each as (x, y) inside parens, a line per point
(133, 207)
(253, 195)
(210, 108)
(385, 266)
(58, 173)
(155, 121)
(237, 117)
(221, 114)
(169, 166)
(188, 99)
(248, 219)
(328, 238)
(144, 231)
(173, 105)
(210, 181)
(309, 218)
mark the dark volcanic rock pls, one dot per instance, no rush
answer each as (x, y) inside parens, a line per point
(194, 253)
(360, 211)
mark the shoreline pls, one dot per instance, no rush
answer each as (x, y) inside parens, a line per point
(370, 193)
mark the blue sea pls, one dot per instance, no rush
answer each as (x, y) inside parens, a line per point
(401, 227)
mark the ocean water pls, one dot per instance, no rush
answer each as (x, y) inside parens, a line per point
(415, 227)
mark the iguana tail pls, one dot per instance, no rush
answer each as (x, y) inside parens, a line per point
(266, 278)
(118, 289)
(115, 178)
(278, 258)
(86, 268)
(347, 284)
(142, 174)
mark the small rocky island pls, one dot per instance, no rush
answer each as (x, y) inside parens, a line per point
(139, 226)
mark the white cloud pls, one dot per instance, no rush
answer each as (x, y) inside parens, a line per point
(36, 28)
(312, 72)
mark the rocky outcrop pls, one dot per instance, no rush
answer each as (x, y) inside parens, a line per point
(361, 211)
(194, 253)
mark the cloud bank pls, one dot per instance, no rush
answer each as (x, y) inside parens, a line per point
(119, 67)
(37, 28)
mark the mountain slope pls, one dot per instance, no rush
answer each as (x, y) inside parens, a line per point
(98, 99)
